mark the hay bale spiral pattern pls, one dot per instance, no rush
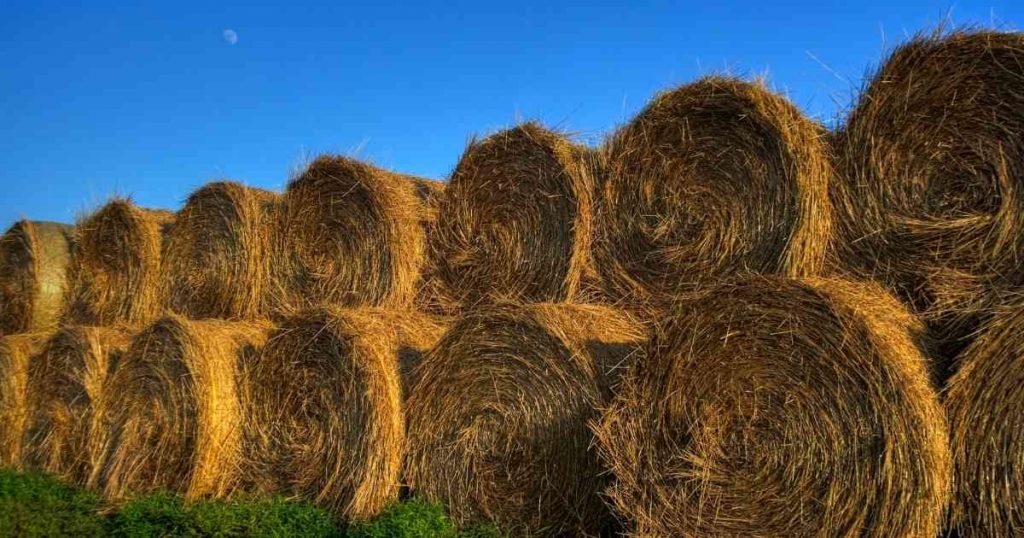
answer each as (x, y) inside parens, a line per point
(34, 258)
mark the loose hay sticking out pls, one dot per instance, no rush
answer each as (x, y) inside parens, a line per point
(931, 163)
(177, 424)
(352, 234)
(516, 222)
(220, 253)
(325, 406)
(33, 261)
(115, 270)
(65, 435)
(498, 415)
(769, 407)
(712, 179)
(16, 350)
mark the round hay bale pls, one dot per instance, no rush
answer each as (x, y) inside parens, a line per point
(115, 271)
(65, 435)
(218, 257)
(325, 404)
(178, 422)
(352, 235)
(985, 403)
(714, 178)
(16, 350)
(773, 407)
(929, 196)
(498, 416)
(33, 262)
(516, 222)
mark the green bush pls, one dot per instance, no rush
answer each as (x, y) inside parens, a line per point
(33, 504)
(416, 518)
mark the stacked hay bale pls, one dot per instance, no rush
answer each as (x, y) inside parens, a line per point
(33, 263)
(16, 352)
(775, 407)
(499, 409)
(113, 277)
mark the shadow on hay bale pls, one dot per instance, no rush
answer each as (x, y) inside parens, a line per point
(33, 263)
(219, 254)
(115, 270)
(929, 197)
(352, 234)
(771, 407)
(177, 424)
(16, 352)
(712, 179)
(65, 435)
(516, 221)
(498, 415)
(325, 406)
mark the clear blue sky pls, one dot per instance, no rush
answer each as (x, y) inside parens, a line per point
(153, 100)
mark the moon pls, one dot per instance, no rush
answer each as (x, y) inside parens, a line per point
(230, 36)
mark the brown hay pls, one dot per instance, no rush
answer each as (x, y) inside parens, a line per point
(931, 164)
(498, 415)
(33, 261)
(65, 435)
(714, 178)
(516, 222)
(352, 235)
(16, 350)
(177, 424)
(116, 265)
(771, 407)
(326, 413)
(218, 257)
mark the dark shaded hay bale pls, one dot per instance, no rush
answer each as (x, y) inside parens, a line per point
(929, 198)
(771, 407)
(33, 263)
(352, 235)
(114, 274)
(516, 222)
(499, 410)
(65, 435)
(16, 351)
(714, 178)
(219, 255)
(178, 421)
(326, 406)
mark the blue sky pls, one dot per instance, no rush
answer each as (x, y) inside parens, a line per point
(155, 99)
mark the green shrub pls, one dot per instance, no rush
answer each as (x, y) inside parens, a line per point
(33, 504)
(416, 518)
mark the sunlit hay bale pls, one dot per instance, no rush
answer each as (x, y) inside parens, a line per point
(33, 263)
(498, 415)
(929, 196)
(516, 221)
(773, 407)
(352, 235)
(325, 406)
(114, 273)
(712, 179)
(219, 255)
(65, 434)
(16, 352)
(177, 420)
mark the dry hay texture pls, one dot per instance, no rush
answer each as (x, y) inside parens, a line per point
(325, 405)
(219, 254)
(16, 351)
(772, 407)
(930, 198)
(498, 415)
(65, 435)
(33, 263)
(516, 222)
(711, 179)
(178, 421)
(352, 234)
(115, 270)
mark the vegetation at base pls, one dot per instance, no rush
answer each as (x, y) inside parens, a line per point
(33, 504)
(416, 518)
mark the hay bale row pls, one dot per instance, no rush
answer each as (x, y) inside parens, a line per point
(34, 257)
